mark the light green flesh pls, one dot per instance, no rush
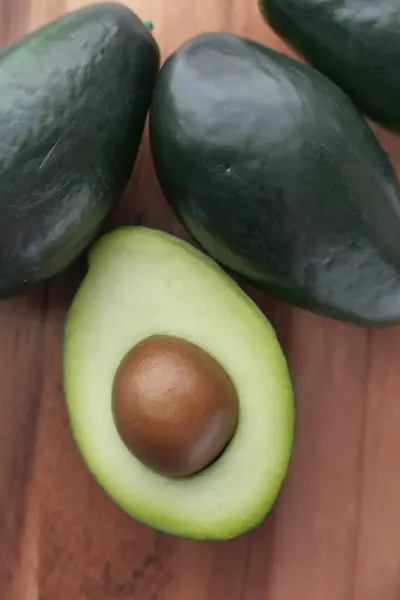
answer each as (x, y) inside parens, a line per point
(141, 282)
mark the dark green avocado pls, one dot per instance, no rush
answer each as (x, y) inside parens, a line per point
(278, 177)
(74, 99)
(354, 42)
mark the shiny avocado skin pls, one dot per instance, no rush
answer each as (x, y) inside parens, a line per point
(354, 42)
(75, 96)
(275, 173)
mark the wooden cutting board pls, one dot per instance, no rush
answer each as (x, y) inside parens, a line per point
(334, 533)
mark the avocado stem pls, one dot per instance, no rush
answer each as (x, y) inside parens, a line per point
(148, 24)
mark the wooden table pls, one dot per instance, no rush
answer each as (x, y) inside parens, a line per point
(334, 533)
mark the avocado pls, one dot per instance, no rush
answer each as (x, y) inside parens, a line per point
(75, 96)
(356, 43)
(276, 174)
(155, 295)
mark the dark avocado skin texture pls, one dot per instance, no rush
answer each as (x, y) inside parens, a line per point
(354, 42)
(278, 177)
(74, 99)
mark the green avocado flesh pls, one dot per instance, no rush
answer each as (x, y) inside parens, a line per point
(356, 43)
(276, 174)
(142, 282)
(74, 99)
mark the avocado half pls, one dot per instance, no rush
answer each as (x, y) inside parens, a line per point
(142, 282)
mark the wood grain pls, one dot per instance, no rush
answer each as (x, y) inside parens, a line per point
(334, 533)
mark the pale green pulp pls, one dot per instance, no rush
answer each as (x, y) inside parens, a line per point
(141, 282)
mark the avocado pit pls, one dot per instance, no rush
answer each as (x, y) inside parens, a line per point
(174, 406)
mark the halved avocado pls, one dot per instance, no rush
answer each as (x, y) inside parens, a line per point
(143, 283)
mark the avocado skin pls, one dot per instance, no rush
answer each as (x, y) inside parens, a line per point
(275, 173)
(354, 42)
(75, 96)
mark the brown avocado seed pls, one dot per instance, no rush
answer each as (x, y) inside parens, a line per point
(174, 406)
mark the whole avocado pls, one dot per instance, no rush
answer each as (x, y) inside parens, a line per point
(354, 42)
(276, 174)
(74, 99)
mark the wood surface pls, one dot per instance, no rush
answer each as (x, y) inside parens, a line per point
(334, 533)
